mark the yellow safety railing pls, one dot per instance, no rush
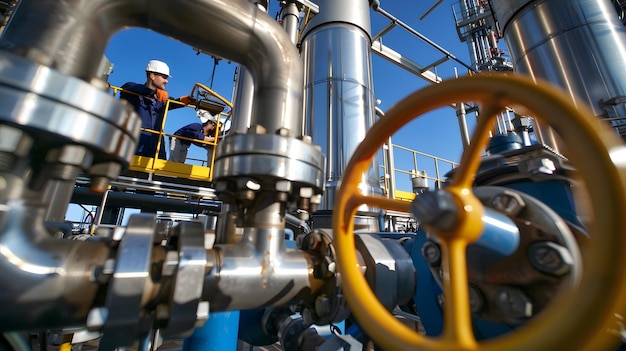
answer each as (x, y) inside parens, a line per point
(170, 168)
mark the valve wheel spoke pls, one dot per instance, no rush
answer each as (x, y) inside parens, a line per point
(598, 154)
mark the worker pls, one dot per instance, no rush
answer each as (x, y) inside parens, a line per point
(205, 131)
(150, 100)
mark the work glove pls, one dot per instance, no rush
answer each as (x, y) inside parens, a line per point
(161, 95)
(187, 100)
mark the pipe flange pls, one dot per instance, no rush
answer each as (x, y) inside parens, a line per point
(48, 103)
(390, 271)
(248, 163)
(124, 317)
(514, 288)
(188, 280)
(329, 306)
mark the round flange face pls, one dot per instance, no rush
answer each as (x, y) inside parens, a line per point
(57, 109)
(511, 289)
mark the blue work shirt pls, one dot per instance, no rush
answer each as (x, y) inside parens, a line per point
(151, 112)
(192, 130)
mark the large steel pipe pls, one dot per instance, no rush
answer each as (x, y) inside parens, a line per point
(71, 36)
(339, 94)
(46, 283)
(579, 45)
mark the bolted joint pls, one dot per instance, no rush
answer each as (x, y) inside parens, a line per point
(515, 305)
(431, 253)
(436, 208)
(102, 174)
(283, 132)
(257, 129)
(72, 155)
(14, 141)
(102, 273)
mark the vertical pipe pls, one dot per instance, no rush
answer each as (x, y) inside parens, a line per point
(391, 167)
(578, 45)
(57, 198)
(462, 118)
(291, 18)
(339, 93)
(243, 96)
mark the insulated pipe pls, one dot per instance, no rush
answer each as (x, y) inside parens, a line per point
(579, 45)
(71, 36)
(339, 87)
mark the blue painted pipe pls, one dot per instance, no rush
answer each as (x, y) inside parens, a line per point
(219, 333)
(500, 234)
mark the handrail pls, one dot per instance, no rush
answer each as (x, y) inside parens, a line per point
(438, 178)
(151, 167)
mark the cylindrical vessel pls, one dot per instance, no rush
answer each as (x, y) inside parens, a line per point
(579, 45)
(339, 88)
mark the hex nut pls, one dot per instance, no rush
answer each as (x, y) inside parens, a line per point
(508, 202)
(550, 258)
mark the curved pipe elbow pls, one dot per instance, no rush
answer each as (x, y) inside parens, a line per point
(233, 29)
(46, 282)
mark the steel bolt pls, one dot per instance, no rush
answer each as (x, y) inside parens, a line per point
(431, 252)
(170, 263)
(508, 202)
(313, 241)
(475, 299)
(435, 208)
(514, 304)
(550, 258)
(322, 306)
(283, 132)
(308, 316)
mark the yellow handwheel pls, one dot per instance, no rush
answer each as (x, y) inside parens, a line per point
(580, 318)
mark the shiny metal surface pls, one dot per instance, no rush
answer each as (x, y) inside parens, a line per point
(243, 97)
(290, 16)
(355, 12)
(125, 294)
(189, 276)
(270, 156)
(42, 275)
(45, 100)
(75, 45)
(258, 272)
(506, 9)
(579, 45)
(339, 98)
(390, 272)
(243, 94)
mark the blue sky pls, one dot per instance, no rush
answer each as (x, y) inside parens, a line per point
(436, 133)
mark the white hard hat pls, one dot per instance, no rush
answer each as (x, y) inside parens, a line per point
(157, 66)
(205, 116)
